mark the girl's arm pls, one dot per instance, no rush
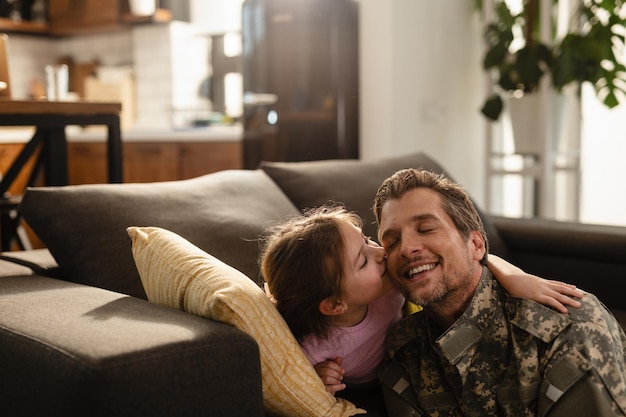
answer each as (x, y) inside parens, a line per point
(553, 294)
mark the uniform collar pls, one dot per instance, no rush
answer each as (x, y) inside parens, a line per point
(468, 329)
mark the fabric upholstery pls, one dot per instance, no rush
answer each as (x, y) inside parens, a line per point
(9, 268)
(354, 183)
(84, 226)
(72, 350)
(39, 261)
(177, 274)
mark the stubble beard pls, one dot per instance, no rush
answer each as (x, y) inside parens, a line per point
(433, 298)
(447, 292)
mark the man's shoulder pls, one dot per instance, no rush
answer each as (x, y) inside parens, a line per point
(584, 339)
(547, 324)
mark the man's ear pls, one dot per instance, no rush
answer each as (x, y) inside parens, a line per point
(478, 244)
(332, 307)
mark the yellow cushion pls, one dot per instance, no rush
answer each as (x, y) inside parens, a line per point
(177, 274)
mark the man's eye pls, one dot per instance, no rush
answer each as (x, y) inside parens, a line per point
(390, 244)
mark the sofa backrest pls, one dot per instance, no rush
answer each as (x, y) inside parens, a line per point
(354, 183)
(84, 226)
(224, 213)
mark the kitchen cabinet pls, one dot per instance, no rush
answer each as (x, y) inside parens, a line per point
(8, 153)
(153, 161)
(145, 162)
(86, 162)
(76, 17)
(72, 17)
(199, 158)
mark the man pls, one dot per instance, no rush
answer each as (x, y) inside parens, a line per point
(477, 351)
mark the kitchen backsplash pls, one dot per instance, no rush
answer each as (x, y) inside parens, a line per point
(170, 63)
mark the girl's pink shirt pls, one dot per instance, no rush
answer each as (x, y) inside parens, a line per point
(362, 346)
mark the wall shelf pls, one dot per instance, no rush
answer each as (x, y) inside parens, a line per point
(8, 25)
(159, 16)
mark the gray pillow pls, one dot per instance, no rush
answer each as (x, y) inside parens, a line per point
(354, 183)
(84, 226)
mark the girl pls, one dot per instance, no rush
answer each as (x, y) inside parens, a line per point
(330, 284)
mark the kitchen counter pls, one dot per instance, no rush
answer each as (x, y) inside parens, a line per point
(222, 133)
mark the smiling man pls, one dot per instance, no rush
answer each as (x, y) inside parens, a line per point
(475, 350)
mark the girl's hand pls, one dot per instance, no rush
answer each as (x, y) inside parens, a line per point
(331, 374)
(550, 293)
(555, 294)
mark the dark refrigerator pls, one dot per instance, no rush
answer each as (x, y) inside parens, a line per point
(300, 80)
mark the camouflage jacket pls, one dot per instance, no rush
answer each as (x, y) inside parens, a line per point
(508, 356)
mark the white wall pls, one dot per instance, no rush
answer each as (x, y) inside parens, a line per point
(168, 77)
(28, 55)
(216, 16)
(603, 192)
(421, 84)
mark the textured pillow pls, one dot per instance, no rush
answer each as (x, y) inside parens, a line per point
(177, 274)
(354, 183)
(84, 226)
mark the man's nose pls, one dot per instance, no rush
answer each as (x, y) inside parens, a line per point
(410, 246)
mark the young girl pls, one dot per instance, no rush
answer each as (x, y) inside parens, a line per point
(330, 284)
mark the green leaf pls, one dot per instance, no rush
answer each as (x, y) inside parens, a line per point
(494, 56)
(493, 107)
(611, 100)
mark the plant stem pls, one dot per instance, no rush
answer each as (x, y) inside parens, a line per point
(531, 16)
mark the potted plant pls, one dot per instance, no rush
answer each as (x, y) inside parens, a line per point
(585, 54)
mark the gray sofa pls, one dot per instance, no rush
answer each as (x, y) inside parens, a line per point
(77, 336)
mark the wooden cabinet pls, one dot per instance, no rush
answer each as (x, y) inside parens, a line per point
(8, 153)
(199, 158)
(153, 161)
(75, 17)
(146, 162)
(83, 16)
(87, 163)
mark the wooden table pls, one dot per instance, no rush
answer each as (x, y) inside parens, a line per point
(50, 119)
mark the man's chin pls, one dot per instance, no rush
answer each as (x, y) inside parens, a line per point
(421, 293)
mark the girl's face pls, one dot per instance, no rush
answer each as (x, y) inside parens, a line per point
(365, 276)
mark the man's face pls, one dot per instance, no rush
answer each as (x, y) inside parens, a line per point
(428, 259)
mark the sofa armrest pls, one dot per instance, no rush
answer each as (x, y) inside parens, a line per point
(593, 257)
(74, 350)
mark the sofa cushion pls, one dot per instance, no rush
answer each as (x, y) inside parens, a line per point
(39, 261)
(84, 226)
(354, 183)
(177, 274)
(9, 269)
(75, 351)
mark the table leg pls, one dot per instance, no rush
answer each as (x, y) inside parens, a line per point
(114, 151)
(55, 156)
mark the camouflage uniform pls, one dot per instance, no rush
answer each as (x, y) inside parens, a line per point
(508, 356)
